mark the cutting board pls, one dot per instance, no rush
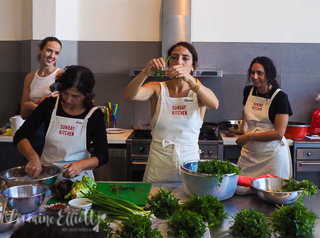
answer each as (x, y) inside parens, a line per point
(138, 196)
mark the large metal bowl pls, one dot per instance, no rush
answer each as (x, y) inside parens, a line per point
(234, 126)
(25, 198)
(18, 176)
(203, 184)
(9, 220)
(269, 190)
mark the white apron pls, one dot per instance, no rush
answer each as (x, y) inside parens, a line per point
(175, 136)
(259, 158)
(66, 141)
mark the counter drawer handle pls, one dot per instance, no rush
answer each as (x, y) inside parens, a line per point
(309, 163)
(308, 154)
(133, 162)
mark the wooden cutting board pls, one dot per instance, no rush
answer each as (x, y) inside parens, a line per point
(138, 196)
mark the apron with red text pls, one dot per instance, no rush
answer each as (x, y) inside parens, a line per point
(66, 141)
(259, 158)
(175, 136)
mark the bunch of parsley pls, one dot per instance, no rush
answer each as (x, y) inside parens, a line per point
(217, 168)
(293, 220)
(249, 223)
(209, 207)
(163, 204)
(186, 224)
(138, 226)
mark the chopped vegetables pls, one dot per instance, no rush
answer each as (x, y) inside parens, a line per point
(117, 188)
(163, 204)
(249, 223)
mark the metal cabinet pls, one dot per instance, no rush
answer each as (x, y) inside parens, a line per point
(115, 169)
(306, 161)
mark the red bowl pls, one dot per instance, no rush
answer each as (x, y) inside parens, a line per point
(296, 130)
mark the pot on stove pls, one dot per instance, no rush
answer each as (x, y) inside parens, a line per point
(210, 127)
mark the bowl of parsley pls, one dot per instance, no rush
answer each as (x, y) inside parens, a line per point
(276, 190)
(210, 177)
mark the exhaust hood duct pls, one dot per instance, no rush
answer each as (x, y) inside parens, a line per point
(176, 26)
(176, 22)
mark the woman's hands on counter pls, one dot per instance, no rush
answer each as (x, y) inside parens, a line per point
(74, 169)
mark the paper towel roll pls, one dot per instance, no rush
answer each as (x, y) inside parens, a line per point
(16, 122)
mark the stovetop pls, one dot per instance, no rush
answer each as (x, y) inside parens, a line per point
(146, 135)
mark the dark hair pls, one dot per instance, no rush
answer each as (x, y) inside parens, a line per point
(80, 77)
(46, 40)
(269, 69)
(190, 47)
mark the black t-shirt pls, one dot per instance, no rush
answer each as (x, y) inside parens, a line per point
(96, 131)
(279, 105)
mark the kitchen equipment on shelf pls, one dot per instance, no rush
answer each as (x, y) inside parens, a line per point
(25, 198)
(15, 122)
(205, 184)
(296, 130)
(269, 190)
(9, 220)
(234, 126)
(18, 176)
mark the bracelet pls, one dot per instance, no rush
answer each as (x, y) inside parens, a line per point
(197, 86)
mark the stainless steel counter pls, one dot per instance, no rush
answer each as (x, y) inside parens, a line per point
(237, 203)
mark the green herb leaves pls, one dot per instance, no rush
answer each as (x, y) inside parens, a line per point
(138, 226)
(159, 73)
(209, 207)
(293, 220)
(117, 188)
(163, 204)
(308, 188)
(217, 168)
(250, 224)
(186, 224)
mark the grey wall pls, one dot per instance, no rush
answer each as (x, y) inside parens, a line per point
(297, 65)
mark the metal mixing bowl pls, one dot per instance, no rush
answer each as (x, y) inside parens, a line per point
(18, 176)
(269, 190)
(202, 184)
(25, 198)
(234, 126)
(9, 220)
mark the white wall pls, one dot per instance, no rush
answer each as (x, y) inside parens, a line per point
(10, 19)
(284, 21)
(293, 21)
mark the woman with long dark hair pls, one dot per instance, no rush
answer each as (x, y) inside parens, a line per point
(178, 107)
(265, 118)
(71, 124)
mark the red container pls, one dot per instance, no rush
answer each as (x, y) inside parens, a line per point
(296, 130)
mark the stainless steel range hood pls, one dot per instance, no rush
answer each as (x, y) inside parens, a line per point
(176, 26)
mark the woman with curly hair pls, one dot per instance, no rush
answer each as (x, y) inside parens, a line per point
(265, 118)
(71, 124)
